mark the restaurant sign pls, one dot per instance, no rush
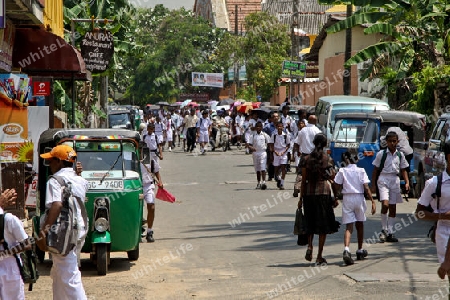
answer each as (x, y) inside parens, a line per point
(97, 49)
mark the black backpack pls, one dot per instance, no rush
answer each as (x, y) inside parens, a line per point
(26, 260)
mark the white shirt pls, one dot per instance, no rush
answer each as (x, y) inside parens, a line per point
(352, 179)
(204, 124)
(79, 189)
(280, 141)
(392, 164)
(239, 121)
(13, 233)
(444, 201)
(305, 138)
(287, 122)
(259, 141)
(151, 141)
(159, 128)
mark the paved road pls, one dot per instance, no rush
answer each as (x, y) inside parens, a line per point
(223, 239)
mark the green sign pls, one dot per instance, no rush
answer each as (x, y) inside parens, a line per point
(293, 68)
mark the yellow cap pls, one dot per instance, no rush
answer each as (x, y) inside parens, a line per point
(63, 152)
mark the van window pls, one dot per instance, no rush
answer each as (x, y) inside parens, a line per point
(349, 108)
(359, 131)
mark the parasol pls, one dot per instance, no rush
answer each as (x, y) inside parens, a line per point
(163, 103)
(185, 102)
(226, 102)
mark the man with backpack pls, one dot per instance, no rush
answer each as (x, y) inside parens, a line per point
(66, 276)
(437, 195)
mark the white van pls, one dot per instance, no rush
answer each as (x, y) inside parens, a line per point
(328, 106)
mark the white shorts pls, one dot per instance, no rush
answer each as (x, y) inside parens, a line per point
(160, 138)
(279, 160)
(238, 130)
(203, 137)
(155, 159)
(259, 161)
(353, 208)
(149, 193)
(442, 236)
(389, 188)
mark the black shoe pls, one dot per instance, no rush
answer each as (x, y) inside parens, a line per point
(281, 187)
(278, 183)
(391, 239)
(263, 186)
(383, 236)
(269, 179)
(149, 237)
(361, 254)
(347, 258)
(295, 194)
(143, 230)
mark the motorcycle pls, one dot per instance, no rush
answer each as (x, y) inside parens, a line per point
(220, 138)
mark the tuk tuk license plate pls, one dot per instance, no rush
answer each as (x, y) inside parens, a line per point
(346, 145)
(106, 184)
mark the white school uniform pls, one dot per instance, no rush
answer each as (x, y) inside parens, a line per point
(11, 283)
(259, 142)
(203, 125)
(148, 184)
(280, 143)
(443, 226)
(388, 181)
(169, 130)
(159, 131)
(66, 276)
(152, 142)
(354, 205)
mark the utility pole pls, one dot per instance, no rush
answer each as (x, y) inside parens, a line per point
(236, 65)
(347, 80)
(293, 45)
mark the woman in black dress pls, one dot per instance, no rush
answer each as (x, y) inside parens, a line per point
(318, 171)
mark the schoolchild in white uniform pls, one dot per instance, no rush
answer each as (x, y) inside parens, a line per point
(11, 283)
(169, 131)
(354, 183)
(65, 273)
(239, 123)
(203, 131)
(151, 140)
(149, 198)
(258, 144)
(389, 185)
(279, 145)
(441, 215)
(160, 130)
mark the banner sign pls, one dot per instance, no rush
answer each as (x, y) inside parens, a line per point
(293, 68)
(41, 88)
(207, 79)
(97, 49)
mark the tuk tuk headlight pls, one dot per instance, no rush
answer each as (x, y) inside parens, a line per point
(101, 224)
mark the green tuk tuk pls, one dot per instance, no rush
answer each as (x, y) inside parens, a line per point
(114, 201)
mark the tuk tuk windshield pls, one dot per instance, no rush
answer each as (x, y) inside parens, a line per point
(355, 131)
(108, 156)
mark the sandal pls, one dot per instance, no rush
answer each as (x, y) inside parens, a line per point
(321, 262)
(308, 255)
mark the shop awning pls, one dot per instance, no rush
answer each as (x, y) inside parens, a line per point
(41, 53)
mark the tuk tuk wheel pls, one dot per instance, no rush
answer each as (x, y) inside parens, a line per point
(102, 258)
(133, 254)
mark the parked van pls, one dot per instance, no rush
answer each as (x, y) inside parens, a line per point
(328, 106)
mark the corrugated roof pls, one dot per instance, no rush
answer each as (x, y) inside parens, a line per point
(310, 15)
(245, 7)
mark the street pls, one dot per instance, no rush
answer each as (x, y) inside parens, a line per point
(222, 239)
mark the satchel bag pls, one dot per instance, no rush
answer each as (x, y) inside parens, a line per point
(299, 228)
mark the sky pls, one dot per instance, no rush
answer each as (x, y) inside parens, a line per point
(171, 4)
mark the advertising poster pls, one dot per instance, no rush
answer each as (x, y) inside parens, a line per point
(207, 79)
(15, 92)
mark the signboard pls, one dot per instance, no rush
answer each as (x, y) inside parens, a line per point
(7, 37)
(207, 79)
(201, 97)
(293, 68)
(41, 88)
(242, 73)
(97, 49)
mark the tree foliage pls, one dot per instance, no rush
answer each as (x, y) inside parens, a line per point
(415, 39)
(261, 49)
(175, 43)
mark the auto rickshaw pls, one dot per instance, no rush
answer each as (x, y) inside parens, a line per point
(361, 133)
(114, 200)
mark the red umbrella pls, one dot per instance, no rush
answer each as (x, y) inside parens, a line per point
(193, 104)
